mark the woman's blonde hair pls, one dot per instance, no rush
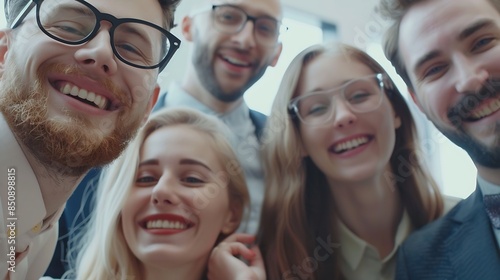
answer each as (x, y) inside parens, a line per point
(297, 210)
(103, 251)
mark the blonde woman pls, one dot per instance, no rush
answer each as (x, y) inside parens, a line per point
(162, 206)
(344, 184)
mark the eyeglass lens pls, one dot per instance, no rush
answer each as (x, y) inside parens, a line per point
(229, 19)
(72, 22)
(362, 95)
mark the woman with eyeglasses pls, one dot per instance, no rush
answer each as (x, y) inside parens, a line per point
(344, 182)
(175, 194)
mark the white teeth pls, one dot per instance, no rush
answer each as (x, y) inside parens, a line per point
(493, 107)
(351, 144)
(98, 100)
(237, 61)
(82, 94)
(165, 224)
(74, 91)
(91, 96)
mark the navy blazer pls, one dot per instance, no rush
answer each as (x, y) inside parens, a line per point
(461, 245)
(80, 204)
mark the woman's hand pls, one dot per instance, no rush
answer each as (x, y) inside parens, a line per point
(233, 260)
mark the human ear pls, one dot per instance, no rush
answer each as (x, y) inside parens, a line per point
(415, 99)
(151, 104)
(277, 53)
(232, 220)
(187, 26)
(397, 121)
(4, 48)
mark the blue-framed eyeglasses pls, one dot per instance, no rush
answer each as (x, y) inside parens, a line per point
(361, 95)
(135, 42)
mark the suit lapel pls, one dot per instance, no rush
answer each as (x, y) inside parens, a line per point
(473, 251)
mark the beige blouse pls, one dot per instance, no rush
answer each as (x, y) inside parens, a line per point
(360, 260)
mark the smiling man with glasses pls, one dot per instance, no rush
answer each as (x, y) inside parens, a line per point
(77, 78)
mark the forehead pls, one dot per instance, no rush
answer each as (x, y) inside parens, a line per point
(255, 7)
(148, 10)
(433, 25)
(179, 141)
(330, 70)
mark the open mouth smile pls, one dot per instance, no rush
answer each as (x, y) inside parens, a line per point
(166, 224)
(350, 144)
(86, 96)
(484, 111)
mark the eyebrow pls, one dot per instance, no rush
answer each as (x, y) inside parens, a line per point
(343, 83)
(70, 9)
(194, 162)
(462, 36)
(132, 30)
(149, 162)
(474, 27)
(425, 58)
(182, 161)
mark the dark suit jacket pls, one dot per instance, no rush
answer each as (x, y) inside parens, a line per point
(461, 245)
(80, 204)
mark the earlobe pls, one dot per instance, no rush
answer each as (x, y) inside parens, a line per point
(397, 122)
(232, 221)
(151, 104)
(277, 54)
(4, 47)
(415, 99)
(186, 27)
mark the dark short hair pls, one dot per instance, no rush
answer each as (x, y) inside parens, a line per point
(395, 10)
(12, 9)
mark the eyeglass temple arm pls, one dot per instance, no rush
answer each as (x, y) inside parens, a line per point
(24, 12)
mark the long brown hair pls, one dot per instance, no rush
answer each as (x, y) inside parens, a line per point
(297, 215)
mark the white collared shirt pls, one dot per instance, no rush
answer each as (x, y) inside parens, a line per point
(35, 239)
(244, 142)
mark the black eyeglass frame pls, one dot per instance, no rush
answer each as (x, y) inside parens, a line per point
(382, 80)
(115, 22)
(253, 19)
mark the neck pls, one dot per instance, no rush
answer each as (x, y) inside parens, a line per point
(372, 210)
(56, 188)
(186, 272)
(193, 87)
(491, 175)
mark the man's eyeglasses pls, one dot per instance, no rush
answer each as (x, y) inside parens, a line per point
(231, 20)
(135, 42)
(361, 95)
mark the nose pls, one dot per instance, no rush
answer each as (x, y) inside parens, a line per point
(165, 193)
(97, 54)
(471, 75)
(343, 115)
(245, 38)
